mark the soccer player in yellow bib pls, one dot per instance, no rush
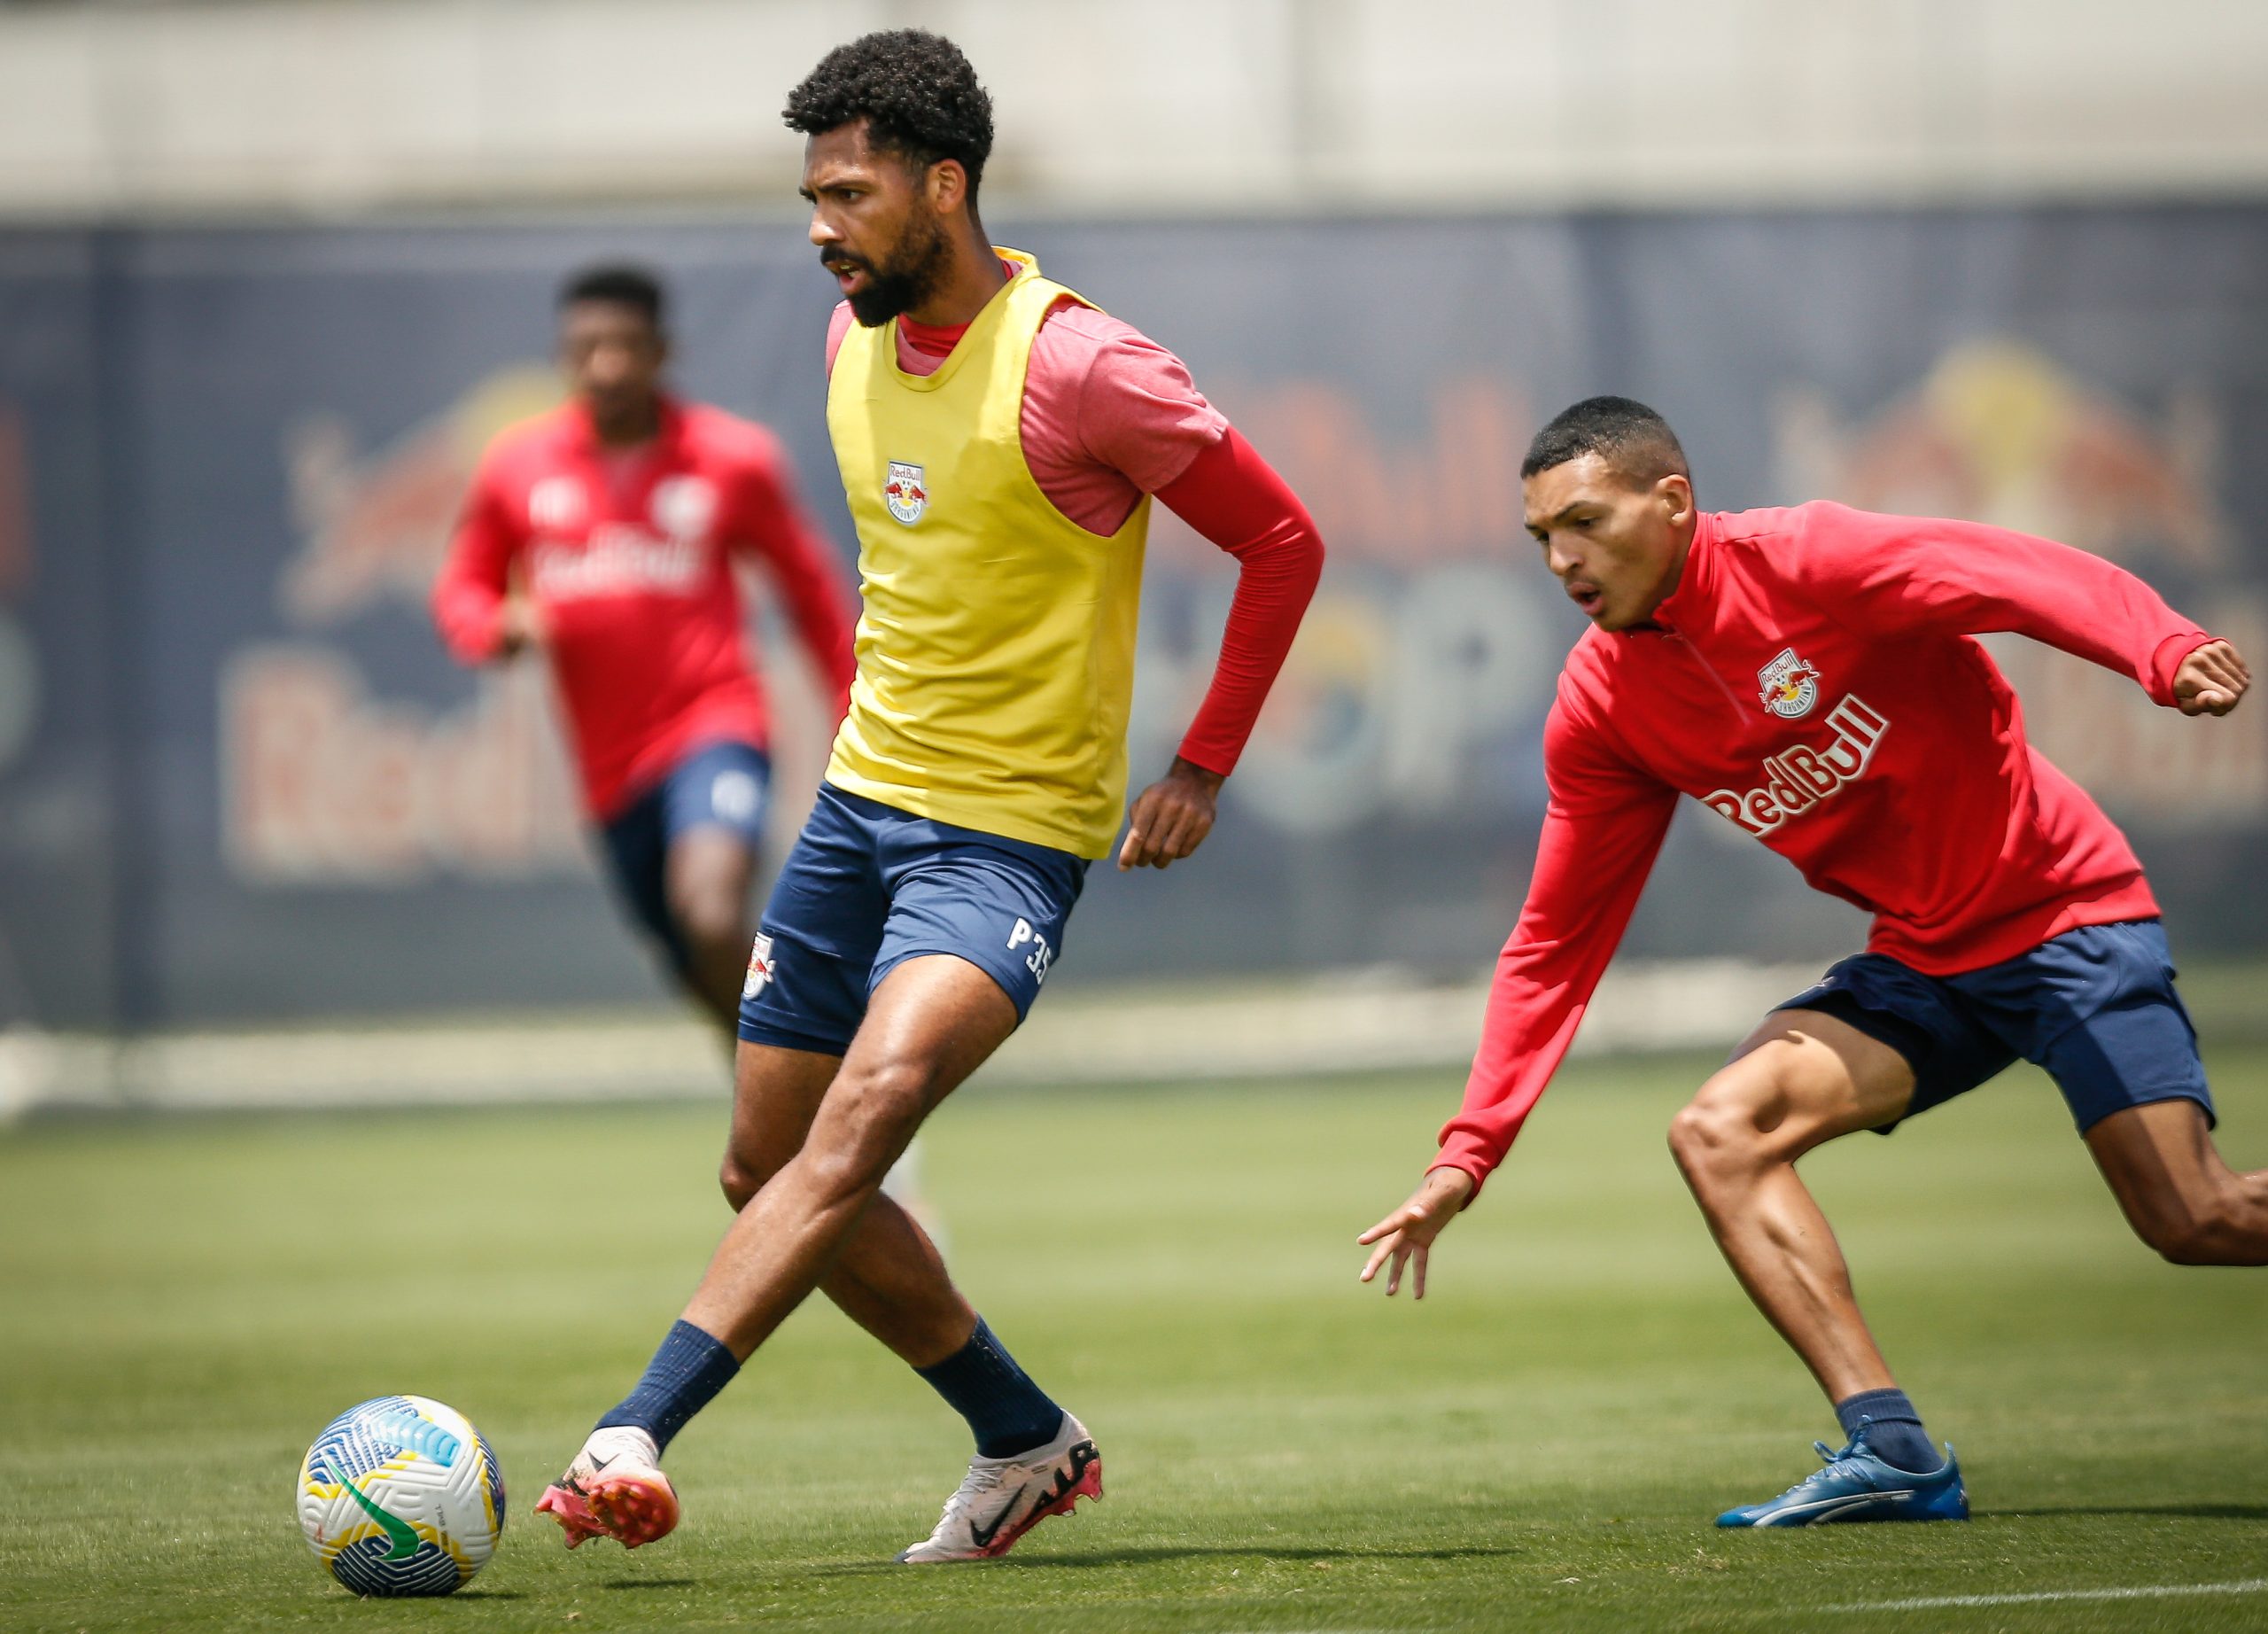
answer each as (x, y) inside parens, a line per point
(999, 441)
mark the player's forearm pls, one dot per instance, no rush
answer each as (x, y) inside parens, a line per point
(2085, 606)
(1971, 579)
(1600, 836)
(1232, 496)
(469, 616)
(824, 627)
(1535, 1003)
(802, 570)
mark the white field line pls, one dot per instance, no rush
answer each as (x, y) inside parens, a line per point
(2156, 1591)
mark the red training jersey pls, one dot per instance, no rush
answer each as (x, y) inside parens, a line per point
(628, 557)
(1813, 680)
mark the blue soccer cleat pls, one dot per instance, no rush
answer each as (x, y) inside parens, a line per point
(1857, 1485)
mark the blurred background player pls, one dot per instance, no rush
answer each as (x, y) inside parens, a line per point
(998, 439)
(1808, 673)
(606, 534)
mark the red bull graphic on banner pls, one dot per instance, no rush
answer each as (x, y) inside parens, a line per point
(246, 742)
(375, 528)
(323, 782)
(1432, 642)
(1997, 432)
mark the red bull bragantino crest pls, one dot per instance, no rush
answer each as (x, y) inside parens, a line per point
(1791, 685)
(906, 491)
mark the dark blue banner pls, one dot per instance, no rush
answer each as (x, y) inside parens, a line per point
(239, 778)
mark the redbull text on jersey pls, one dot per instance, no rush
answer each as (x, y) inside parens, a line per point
(618, 561)
(1798, 779)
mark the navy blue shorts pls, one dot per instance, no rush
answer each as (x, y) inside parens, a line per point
(869, 887)
(2095, 1007)
(723, 786)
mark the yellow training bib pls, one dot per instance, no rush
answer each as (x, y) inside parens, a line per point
(996, 647)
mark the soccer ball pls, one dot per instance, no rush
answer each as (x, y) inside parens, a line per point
(401, 1496)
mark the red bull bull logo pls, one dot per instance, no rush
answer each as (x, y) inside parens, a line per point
(323, 782)
(1998, 432)
(375, 528)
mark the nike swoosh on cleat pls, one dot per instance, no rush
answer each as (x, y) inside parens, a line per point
(1077, 1461)
(982, 1536)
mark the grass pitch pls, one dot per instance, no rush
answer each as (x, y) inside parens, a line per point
(1541, 1443)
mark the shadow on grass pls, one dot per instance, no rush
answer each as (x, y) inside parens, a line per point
(633, 1583)
(1156, 1553)
(2173, 1511)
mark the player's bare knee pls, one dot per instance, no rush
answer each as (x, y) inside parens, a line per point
(737, 1181)
(871, 1113)
(1721, 1132)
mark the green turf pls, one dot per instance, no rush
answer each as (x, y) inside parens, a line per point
(1541, 1443)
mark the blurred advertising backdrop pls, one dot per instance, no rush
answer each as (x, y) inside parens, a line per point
(240, 782)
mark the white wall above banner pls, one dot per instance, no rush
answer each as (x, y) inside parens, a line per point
(1177, 105)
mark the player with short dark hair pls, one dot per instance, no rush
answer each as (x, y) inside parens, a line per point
(1809, 674)
(999, 441)
(606, 534)
(618, 284)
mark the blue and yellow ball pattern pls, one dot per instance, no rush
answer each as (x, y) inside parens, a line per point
(401, 1496)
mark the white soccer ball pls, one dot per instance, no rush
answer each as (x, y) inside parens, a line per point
(401, 1496)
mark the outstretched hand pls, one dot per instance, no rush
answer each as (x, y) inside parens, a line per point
(1171, 817)
(1407, 1234)
(2210, 680)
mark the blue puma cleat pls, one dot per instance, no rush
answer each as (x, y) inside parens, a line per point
(1857, 1485)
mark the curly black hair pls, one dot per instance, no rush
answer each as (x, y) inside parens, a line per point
(915, 90)
(1632, 438)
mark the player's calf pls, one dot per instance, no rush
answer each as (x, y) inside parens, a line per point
(2224, 1227)
(2176, 1190)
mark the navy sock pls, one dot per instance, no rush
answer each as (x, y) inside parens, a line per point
(683, 1378)
(1894, 1429)
(1007, 1413)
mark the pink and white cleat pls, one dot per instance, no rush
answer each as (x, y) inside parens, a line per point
(614, 1489)
(1002, 1498)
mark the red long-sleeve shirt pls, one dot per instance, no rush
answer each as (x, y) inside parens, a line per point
(1108, 415)
(628, 557)
(1813, 680)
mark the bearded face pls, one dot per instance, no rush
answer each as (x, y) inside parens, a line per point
(899, 276)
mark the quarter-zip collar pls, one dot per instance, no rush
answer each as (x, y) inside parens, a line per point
(1688, 605)
(1690, 609)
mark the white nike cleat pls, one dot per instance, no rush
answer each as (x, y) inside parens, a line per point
(1002, 1498)
(614, 1489)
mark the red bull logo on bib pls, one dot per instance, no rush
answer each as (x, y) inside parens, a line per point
(905, 493)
